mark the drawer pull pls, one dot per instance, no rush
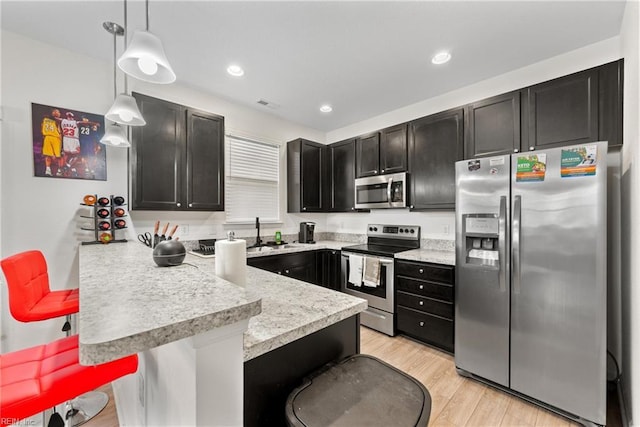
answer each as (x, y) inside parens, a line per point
(421, 324)
(421, 303)
(421, 270)
(421, 287)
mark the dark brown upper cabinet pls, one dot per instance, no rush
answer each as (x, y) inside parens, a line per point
(382, 152)
(341, 159)
(368, 155)
(561, 112)
(492, 126)
(305, 172)
(435, 145)
(610, 102)
(393, 149)
(177, 158)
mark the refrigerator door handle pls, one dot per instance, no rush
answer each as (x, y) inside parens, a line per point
(502, 220)
(517, 217)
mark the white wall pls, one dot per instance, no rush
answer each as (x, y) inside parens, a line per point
(630, 42)
(440, 224)
(43, 213)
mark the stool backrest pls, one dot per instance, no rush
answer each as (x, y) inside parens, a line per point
(27, 280)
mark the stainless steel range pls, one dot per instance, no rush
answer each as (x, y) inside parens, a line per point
(360, 263)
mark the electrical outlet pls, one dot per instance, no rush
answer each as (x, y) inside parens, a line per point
(184, 229)
(141, 389)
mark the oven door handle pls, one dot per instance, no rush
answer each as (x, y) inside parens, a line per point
(389, 184)
(382, 260)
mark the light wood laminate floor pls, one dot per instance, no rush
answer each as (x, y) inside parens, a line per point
(455, 400)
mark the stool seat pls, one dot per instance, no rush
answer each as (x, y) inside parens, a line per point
(53, 304)
(38, 378)
(360, 390)
(30, 298)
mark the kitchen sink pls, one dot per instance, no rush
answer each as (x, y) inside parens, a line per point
(259, 249)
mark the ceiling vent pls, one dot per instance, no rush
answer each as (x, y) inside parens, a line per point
(268, 104)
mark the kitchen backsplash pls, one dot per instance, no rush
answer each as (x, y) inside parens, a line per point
(429, 244)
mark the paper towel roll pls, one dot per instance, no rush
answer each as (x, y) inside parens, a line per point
(231, 261)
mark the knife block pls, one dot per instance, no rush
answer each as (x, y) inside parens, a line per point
(109, 217)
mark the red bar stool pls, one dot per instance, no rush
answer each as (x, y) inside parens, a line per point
(41, 377)
(31, 300)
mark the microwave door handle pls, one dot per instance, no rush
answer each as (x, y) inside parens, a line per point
(389, 184)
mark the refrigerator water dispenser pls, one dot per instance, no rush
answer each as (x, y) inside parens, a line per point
(481, 239)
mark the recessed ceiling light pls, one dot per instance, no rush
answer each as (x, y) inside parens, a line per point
(441, 57)
(235, 70)
(326, 108)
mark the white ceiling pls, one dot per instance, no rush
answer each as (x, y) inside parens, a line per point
(364, 58)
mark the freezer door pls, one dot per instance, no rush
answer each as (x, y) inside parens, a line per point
(482, 268)
(559, 250)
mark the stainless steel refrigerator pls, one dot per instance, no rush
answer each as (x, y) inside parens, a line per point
(531, 275)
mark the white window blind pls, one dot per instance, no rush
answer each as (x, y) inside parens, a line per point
(252, 182)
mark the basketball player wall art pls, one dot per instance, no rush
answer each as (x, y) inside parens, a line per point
(66, 143)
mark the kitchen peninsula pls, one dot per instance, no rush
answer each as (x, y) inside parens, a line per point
(198, 335)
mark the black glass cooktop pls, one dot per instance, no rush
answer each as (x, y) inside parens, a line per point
(380, 250)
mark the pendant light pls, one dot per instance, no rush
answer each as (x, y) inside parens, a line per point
(145, 59)
(124, 109)
(115, 135)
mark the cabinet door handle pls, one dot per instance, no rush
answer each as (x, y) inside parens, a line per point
(178, 204)
(286, 272)
(279, 272)
(382, 171)
(190, 205)
(411, 206)
(421, 324)
(421, 303)
(421, 270)
(532, 148)
(304, 209)
(421, 287)
(353, 208)
(515, 150)
(375, 171)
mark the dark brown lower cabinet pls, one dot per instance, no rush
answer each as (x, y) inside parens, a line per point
(425, 303)
(320, 267)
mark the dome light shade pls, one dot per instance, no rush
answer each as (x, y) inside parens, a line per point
(145, 59)
(115, 136)
(125, 111)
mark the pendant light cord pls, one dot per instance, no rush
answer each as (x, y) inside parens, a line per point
(126, 86)
(115, 90)
(147, 12)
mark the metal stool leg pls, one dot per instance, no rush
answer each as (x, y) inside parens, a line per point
(84, 407)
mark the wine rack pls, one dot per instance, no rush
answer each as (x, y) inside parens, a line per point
(108, 217)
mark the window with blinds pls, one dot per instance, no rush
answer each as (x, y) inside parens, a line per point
(252, 183)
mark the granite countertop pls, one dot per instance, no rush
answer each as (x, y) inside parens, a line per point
(434, 251)
(291, 308)
(445, 257)
(146, 306)
(128, 304)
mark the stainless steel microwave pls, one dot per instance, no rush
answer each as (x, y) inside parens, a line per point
(382, 191)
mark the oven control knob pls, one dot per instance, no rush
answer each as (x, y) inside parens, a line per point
(375, 228)
(413, 231)
(370, 228)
